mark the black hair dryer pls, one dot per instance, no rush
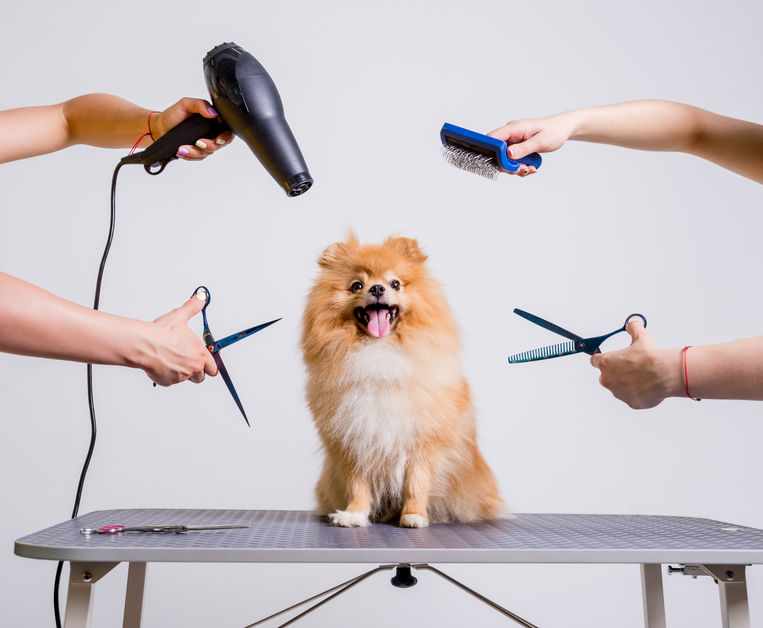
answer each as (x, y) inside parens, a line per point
(248, 104)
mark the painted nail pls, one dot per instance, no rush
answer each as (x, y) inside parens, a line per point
(183, 151)
(201, 295)
(212, 112)
(201, 144)
(219, 141)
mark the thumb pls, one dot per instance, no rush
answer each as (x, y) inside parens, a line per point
(192, 307)
(522, 149)
(635, 329)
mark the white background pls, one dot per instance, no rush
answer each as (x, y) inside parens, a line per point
(600, 232)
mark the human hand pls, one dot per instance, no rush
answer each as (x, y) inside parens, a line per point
(643, 374)
(177, 354)
(539, 135)
(182, 109)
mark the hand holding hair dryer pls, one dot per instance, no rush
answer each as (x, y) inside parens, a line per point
(248, 103)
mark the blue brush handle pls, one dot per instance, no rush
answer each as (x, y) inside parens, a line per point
(478, 142)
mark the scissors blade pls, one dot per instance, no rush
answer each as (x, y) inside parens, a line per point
(544, 323)
(229, 340)
(231, 388)
(544, 353)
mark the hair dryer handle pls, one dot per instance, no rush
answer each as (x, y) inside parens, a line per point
(164, 150)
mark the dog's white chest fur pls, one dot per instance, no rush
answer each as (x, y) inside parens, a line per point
(376, 418)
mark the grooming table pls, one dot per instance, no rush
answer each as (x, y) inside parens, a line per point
(700, 546)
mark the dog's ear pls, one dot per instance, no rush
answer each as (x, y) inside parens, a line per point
(332, 255)
(338, 251)
(408, 247)
(335, 254)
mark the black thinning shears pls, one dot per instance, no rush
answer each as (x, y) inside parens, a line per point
(214, 346)
(578, 344)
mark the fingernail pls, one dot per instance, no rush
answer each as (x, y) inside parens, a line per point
(183, 151)
(212, 112)
(508, 152)
(201, 144)
(201, 295)
(219, 141)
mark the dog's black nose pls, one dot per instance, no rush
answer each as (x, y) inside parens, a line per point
(377, 290)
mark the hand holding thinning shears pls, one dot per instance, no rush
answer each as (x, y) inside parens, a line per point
(578, 344)
(643, 374)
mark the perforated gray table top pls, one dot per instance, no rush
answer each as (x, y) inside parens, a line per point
(286, 536)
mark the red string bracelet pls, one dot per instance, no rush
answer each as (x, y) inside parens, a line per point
(149, 133)
(686, 375)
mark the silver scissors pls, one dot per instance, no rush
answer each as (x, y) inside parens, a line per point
(577, 344)
(160, 529)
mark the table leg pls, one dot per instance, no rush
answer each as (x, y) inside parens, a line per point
(79, 601)
(136, 581)
(733, 592)
(651, 592)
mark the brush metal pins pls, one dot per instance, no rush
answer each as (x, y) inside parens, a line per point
(476, 163)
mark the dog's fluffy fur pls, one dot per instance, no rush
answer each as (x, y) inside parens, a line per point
(393, 411)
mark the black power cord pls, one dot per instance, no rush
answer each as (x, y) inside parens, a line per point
(91, 447)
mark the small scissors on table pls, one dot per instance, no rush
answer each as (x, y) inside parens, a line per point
(578, 344)
(214, 346)
(161, 529)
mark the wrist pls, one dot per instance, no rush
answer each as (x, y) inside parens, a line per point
(140, 347)
(158, 124)
(153, 125)
(672, 370)
(577, 123)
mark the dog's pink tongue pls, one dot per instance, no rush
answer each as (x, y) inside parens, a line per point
(378, 325)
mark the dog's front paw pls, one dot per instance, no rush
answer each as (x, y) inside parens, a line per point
(412, 520)
(348, 519)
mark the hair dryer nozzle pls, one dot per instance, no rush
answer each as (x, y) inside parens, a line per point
(247, 100)
(299, 184)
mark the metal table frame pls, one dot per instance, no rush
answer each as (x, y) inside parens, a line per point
(700, 546)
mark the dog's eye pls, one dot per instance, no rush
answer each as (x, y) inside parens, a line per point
(394, 284)
(356, 286)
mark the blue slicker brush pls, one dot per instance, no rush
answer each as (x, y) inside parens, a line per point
(480, 154)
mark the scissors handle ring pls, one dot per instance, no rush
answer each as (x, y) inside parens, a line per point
(631, 316)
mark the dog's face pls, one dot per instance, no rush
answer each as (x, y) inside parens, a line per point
(378, 310)
(375, 289)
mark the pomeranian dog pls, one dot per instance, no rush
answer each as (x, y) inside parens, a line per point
(385, 388)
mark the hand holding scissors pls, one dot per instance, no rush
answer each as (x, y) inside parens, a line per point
(210, 346)
(171, 353)
(214, 346)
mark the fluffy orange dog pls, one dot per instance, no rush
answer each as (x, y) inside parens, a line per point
(387, 395)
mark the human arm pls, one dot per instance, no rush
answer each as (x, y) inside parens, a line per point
(646, 125)
(643, 374)
(97, 120)
(38, 323)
